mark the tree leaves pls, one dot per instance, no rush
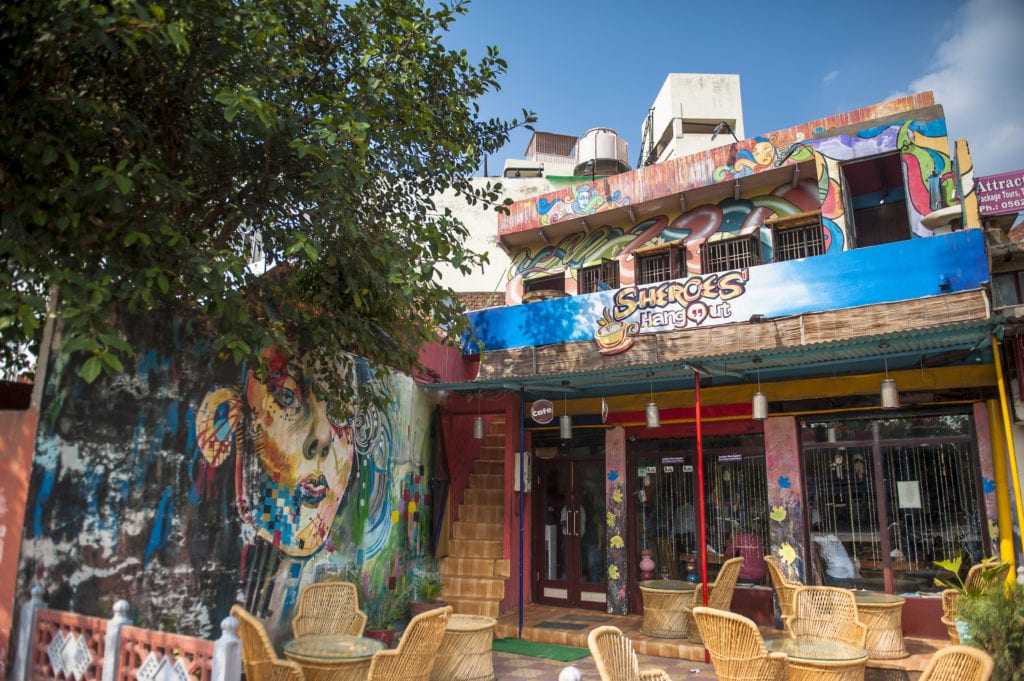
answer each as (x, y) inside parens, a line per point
(145, 145)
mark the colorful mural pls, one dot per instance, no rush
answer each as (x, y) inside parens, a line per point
(186, 483)
(833, 281)
(929, 177)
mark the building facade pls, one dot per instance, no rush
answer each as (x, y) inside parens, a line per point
(771, 336)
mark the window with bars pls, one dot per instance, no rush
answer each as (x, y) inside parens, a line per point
(797, 236)
(553, 283)
(661, 263)
(600, 277)
(731, 254)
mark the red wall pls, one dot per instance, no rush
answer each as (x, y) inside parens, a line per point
(17, 443)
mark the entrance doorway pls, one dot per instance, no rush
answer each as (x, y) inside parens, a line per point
(570, 533)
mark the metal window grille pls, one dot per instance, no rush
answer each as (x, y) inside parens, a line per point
(599, 277)
(802, 241)
(661, 265)
(731, 254)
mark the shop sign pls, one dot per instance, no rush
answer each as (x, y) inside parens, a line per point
(667, 306)
(1002, 193)
(542, 411)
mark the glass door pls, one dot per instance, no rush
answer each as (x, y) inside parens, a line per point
(570, 539)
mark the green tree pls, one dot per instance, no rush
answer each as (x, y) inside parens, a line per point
(147, 148)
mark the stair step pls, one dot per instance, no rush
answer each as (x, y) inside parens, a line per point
(454, 567)
(484, 497)
(485, 588)
(465, 529)
(481, 514)
(475, 548)
(474, 606)
(489, 467)
(484, 481)
(492, 453)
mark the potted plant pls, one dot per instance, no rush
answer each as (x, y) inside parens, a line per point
(384, 607)
(427, 590)
(958, 590)
(996, 622)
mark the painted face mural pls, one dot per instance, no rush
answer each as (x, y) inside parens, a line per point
(293, 463)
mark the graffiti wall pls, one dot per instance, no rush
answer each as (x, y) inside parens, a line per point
(919, 138)
(187, 483)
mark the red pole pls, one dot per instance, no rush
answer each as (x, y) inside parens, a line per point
(702, 532)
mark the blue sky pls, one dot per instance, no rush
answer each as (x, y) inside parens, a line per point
(580, 65)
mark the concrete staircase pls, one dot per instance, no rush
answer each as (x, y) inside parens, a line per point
(475, 570)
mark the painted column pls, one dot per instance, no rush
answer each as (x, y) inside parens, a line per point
(785, 494)
(615, 517)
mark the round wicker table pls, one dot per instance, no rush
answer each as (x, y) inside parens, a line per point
(664, 599)
(882, 614)
(465, 652)
(332, 657)
(814, 660)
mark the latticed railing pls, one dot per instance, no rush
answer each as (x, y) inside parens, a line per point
(53, 644)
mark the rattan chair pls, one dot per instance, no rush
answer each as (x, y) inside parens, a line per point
(259, 660)
(413, 659)
(784, 586)
(980, 577)
(719, 595)
(827, 613)
(328, 608)
(737, 649)
(615, 658)
(959, 663)
(949, 603)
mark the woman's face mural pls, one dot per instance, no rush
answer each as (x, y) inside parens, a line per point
(292, 464)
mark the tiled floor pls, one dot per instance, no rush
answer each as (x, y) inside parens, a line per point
(566, 626)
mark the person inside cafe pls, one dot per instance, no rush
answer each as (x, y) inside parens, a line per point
(838, 568)
(748, 546)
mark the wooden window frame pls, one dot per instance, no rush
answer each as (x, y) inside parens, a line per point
(676, 252)
(806, 223)
(708, 253)
(607, 271)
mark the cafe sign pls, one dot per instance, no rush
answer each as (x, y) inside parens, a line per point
(668, 306)
(1002, 193)
(542, 411)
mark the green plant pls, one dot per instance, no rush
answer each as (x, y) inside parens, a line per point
(428, 587)
(996, 623)
(991, 572)
(386, 607)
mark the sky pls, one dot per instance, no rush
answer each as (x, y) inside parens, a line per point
(580, 65)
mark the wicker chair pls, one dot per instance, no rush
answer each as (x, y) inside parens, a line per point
(959, 663)
(827, 613)
(784, 586)
(737, 649)
(328, 608)
(615, 658)
(719, 595)
(259, 660)
(994, 574)
(949, 601)
(413, 659)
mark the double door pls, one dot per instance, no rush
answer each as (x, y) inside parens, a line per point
(570, 533)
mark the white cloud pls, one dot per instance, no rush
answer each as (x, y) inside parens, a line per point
(979, 81)
(829, 77)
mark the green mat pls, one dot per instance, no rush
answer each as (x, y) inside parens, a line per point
(548, 651)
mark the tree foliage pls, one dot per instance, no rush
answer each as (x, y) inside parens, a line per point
(148, 147)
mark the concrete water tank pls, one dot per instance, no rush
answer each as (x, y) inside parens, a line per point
(601, 152)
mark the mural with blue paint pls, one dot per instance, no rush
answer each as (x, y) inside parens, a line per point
(924, 159)
(186, 483)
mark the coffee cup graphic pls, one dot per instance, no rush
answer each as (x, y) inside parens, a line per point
(613, 337)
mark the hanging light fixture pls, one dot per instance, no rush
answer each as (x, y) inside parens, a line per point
(759, 402)
(478, 422)
(565, 421)
(653, 416)
(890, 394)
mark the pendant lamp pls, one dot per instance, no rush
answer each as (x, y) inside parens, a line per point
(652, 413)
(759, 401)
(478, 422)
(565, 421)
(890, 394)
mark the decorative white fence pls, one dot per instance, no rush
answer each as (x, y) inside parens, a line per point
(64, 645)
